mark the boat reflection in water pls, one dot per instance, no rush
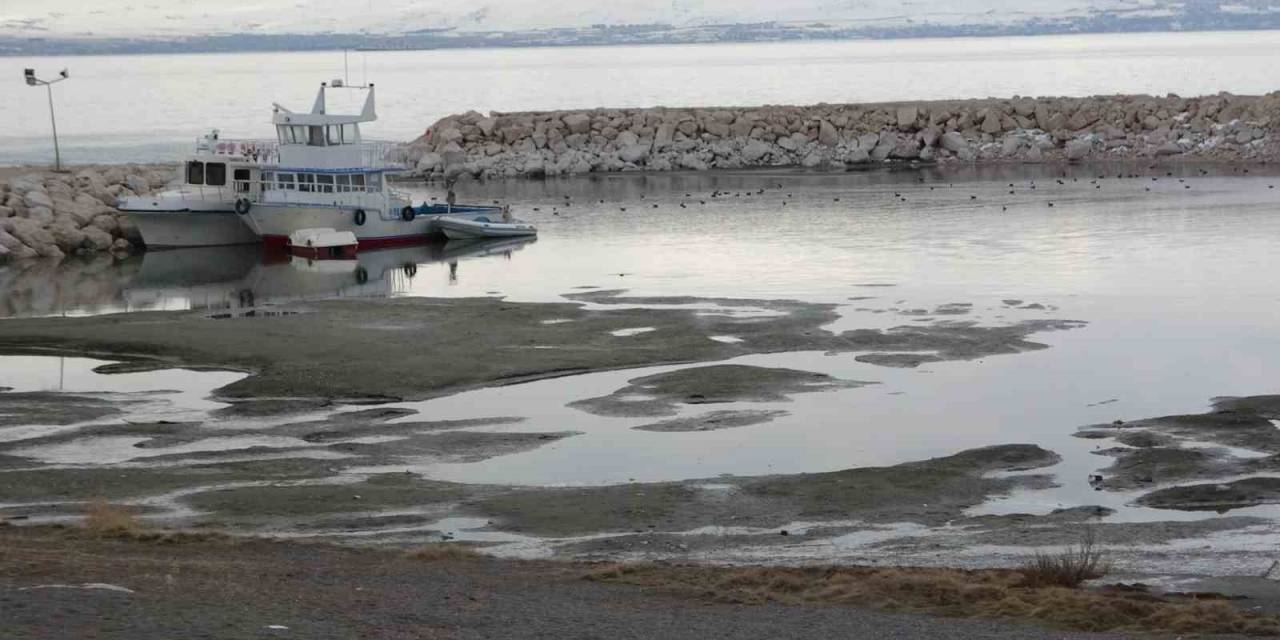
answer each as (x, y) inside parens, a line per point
(243, 277)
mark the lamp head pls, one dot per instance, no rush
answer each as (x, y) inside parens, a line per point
(64, 74)
(30, 75)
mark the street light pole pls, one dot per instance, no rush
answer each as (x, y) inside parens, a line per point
(32, 80)
(57, 154)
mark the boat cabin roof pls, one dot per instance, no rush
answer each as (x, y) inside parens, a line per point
(318, 115)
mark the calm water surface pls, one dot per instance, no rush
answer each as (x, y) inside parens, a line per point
(1173, 275)
(148, 108)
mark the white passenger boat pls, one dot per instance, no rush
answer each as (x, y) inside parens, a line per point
(460, 228)
(198, 207)
(328, 177)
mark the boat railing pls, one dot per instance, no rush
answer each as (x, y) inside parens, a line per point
(383, 155)
(262, 150)
(371, 197)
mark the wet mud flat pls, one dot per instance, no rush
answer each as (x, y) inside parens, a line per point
(413, 348)
(308, 372)
(322, 444)
(293, 450)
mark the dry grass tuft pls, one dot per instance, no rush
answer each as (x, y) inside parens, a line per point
(442, 551)
(1069, 568)
(104, 518)
(947, 592)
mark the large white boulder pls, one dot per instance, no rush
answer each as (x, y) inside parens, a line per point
(906, 117)
(15, 247)
(429, 162)
(755, 151)
(137, 184)
(36, 198)
(827, 134)
(954, 142)
(691, 161)
(634, 153)
(577, 123)
(34, 235)
(1078, 149)
(66, 235)
(42, 215)
(664, 136)
(857, 155)
(106, 222)
(97, 239)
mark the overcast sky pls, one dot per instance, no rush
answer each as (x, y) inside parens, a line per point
(182, 17)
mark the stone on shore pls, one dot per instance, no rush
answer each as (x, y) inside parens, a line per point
(54, 214)
(1218, 127)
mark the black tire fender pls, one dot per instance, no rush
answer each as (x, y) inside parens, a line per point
(359, 215)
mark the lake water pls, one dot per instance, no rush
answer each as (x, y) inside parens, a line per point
(148, 108)
(1173, 274)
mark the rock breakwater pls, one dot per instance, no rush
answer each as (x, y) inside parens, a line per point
(53, 215)
(836, 137)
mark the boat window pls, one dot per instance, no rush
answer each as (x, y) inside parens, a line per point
(350, 134)
(215, 174)
(285, 180)
(375, 182)
(306, 182)
(335, 134)
(315, 137)
(344, 182)
(293, 134)
(357, 182)
(282, 133)
(241, 177)
(324, 183)
(195, 173)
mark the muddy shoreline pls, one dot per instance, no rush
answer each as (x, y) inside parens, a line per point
(392, 349)
(306, 459)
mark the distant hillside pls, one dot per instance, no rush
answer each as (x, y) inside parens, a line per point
(397, 24)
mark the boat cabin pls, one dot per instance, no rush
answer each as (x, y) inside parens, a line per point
(324, 141)
(202, 172)
(324, 160)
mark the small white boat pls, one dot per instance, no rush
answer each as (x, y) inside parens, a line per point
(198, 209)
(323, 243)
(456, 228)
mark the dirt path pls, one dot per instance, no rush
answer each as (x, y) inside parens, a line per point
(221, 589)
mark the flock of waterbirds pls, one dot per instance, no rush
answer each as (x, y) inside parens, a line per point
(777, 189)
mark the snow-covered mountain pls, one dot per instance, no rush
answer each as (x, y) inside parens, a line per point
(170, 18)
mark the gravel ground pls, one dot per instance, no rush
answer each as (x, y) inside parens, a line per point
(219, 589)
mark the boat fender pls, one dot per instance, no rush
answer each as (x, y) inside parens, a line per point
(359, 217)
(407, 214)
(362, 276)
(242, 206)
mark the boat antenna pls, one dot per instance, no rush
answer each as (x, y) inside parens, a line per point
(346, 71)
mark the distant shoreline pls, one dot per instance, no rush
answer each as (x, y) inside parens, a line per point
(12, 46)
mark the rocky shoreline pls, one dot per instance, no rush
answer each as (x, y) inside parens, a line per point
(1222, 127)
(52, 215)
